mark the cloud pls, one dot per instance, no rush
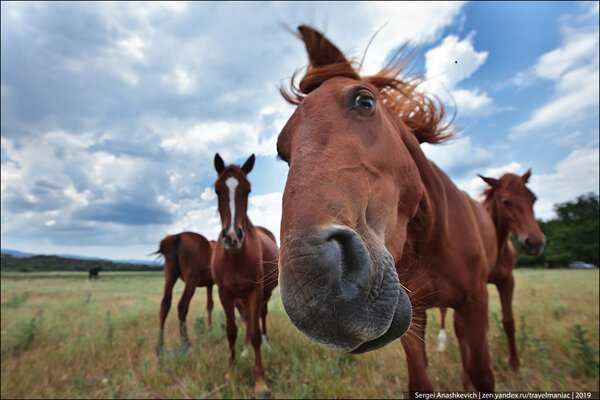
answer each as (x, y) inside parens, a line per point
(574, 175)
(573, 67)
(575, 92)
(458, 156)
(265, 210)
(400, 22)
(451, 62)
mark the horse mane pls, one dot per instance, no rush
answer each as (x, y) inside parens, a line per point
(422, 114)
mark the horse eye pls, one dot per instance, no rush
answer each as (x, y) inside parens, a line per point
(507, 202)
(364, 101)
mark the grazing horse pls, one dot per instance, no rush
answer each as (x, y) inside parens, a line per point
(187, 256)
(365, 214)
(244, 263)
(94, 272)
(510, 204)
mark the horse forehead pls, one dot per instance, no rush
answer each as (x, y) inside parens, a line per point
(336, 86)
(232, 183)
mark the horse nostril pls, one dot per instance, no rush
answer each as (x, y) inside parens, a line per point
(528, 242)
(224, 233)
(240, 233)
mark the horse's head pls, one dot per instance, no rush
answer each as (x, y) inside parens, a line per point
(232, 188)
(351, 190)
(512, 203)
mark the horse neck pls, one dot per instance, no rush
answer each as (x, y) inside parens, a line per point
(492, 206)
(431, 219)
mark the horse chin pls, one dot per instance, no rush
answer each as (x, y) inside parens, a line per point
(350, 315)
(399, 326)
(233, 249)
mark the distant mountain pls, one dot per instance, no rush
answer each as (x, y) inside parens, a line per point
(20, 254)
(16, 253)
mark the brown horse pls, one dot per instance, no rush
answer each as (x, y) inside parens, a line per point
(364, 210)
(244, 263)
(187, 256)
(510, 204)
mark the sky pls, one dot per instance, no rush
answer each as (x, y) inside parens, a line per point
(111, 113)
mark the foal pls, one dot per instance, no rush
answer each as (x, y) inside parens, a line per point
(510, 204)
(244, 262)
(187, 256)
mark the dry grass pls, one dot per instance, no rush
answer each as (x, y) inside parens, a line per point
(66, 337)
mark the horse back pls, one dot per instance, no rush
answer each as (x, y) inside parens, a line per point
(187, 255)
(194, 258)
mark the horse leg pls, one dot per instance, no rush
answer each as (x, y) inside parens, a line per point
(183, 307)
(463, 345)
(209, 304)
(263, 317)
(243, 309)
(442, 336)
(414, 347)
(254, 306)
(165, 306)
(474, 315)
(230, 325)
(506, 288)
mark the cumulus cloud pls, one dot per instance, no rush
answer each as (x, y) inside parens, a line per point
(458, 156)
(574, 69)
(451, 62)
(573, 176)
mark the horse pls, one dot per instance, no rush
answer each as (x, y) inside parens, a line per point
(187, 256)
(244, 263)
(510, 204)
(93, 272)
(366, 217)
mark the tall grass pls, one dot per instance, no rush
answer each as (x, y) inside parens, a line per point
(73, 338)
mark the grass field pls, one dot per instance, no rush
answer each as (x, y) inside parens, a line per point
(66, 337)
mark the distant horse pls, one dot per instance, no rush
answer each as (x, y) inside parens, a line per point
(366, 214)
(244, 263)
(187, 256)
(94, 272)
(510, 204)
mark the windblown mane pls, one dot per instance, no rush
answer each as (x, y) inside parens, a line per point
(423, 115)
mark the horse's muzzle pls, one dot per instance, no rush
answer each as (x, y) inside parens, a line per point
(531, 247)
(233, 239)
(339, 293)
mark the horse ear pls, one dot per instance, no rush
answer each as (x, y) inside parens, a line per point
(320, 50)
(247, 167)
(526, 176)
(490, 181)
(219, 163)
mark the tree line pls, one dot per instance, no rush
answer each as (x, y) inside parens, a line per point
(42, 263)
(571, 236)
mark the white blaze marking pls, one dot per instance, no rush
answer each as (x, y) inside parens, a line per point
(232, 183)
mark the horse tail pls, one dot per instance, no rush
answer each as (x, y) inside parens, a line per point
(171, 245)
(176, 247)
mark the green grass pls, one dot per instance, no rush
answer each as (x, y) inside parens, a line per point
(64, 336)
